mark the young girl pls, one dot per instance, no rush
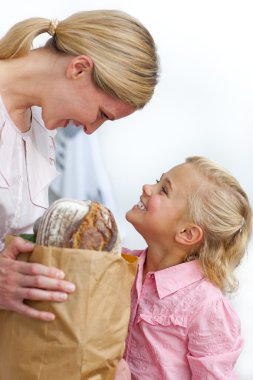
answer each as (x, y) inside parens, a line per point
(196, 221)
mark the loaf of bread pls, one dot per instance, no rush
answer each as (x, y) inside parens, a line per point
(70, 223)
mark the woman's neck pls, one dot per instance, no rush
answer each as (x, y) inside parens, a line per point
(21, 86)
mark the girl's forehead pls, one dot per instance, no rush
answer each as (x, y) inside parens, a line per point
(177, 170)
(183, 175)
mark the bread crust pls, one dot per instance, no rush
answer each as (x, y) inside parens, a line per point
(76, 224)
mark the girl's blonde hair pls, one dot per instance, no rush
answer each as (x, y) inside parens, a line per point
(221, 208)
(122, 49)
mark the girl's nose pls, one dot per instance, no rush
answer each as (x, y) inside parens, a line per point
(147, 190)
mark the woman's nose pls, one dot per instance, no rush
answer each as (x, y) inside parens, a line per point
(90, 128)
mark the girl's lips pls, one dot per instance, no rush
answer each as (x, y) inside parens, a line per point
(139, 206)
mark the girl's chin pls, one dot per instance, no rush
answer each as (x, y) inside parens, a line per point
(129, 217)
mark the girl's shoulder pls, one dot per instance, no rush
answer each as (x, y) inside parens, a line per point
(211, 304)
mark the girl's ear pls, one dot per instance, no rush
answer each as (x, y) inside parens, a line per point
(190, 235)
(82, 64)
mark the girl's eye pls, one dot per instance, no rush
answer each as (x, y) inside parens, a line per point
(165, 190)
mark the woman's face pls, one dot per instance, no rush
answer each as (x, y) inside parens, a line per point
(81, 102)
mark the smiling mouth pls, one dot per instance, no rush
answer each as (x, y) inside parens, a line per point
(73, 122)
(140, 205)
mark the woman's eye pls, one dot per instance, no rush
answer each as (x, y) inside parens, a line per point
(103, 115)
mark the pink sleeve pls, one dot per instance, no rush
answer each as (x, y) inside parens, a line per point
(123, 371)
(215, 342)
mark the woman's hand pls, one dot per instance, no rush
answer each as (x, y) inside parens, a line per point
(21, 281)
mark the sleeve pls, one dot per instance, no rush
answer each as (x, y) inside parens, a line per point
(214, 342)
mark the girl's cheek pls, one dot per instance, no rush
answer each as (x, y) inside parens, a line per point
(154, 203)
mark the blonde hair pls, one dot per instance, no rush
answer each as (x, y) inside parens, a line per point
(122, 49)
(221, 208)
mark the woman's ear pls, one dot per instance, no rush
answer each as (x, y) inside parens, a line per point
(82, 64)
(190, 235)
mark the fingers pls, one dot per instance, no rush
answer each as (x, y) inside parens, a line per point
(38, 275)
(28, 311)
(43, 277)
(21, 281)
(34, 269)
(16, 246)
(42, 295)
(45, 283)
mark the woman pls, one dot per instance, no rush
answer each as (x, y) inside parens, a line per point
(98, 66)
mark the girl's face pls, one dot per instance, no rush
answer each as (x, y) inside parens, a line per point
(162, 209)
(80, 101)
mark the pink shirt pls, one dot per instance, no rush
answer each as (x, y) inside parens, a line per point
(27, 166)
(181, 326)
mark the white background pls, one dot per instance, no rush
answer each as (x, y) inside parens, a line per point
(203, 105)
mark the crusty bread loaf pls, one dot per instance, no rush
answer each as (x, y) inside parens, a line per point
(78, 224)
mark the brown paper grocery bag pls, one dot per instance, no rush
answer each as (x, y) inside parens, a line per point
(86, 340)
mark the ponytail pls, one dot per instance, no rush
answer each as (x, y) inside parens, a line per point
(18, 41)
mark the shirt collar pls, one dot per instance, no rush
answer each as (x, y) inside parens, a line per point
(172, 279)
(40, 154)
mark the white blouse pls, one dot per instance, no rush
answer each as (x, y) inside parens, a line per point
(27, 167)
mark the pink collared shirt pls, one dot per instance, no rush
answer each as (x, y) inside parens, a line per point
(27, 167)
(181, 326)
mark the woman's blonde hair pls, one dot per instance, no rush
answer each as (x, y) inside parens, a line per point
(122, 49)
(221, 208)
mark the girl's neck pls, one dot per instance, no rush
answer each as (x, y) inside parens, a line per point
(157, 260)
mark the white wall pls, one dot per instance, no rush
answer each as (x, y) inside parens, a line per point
(202, 106)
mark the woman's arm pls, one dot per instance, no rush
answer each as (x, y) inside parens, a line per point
(21, 281)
